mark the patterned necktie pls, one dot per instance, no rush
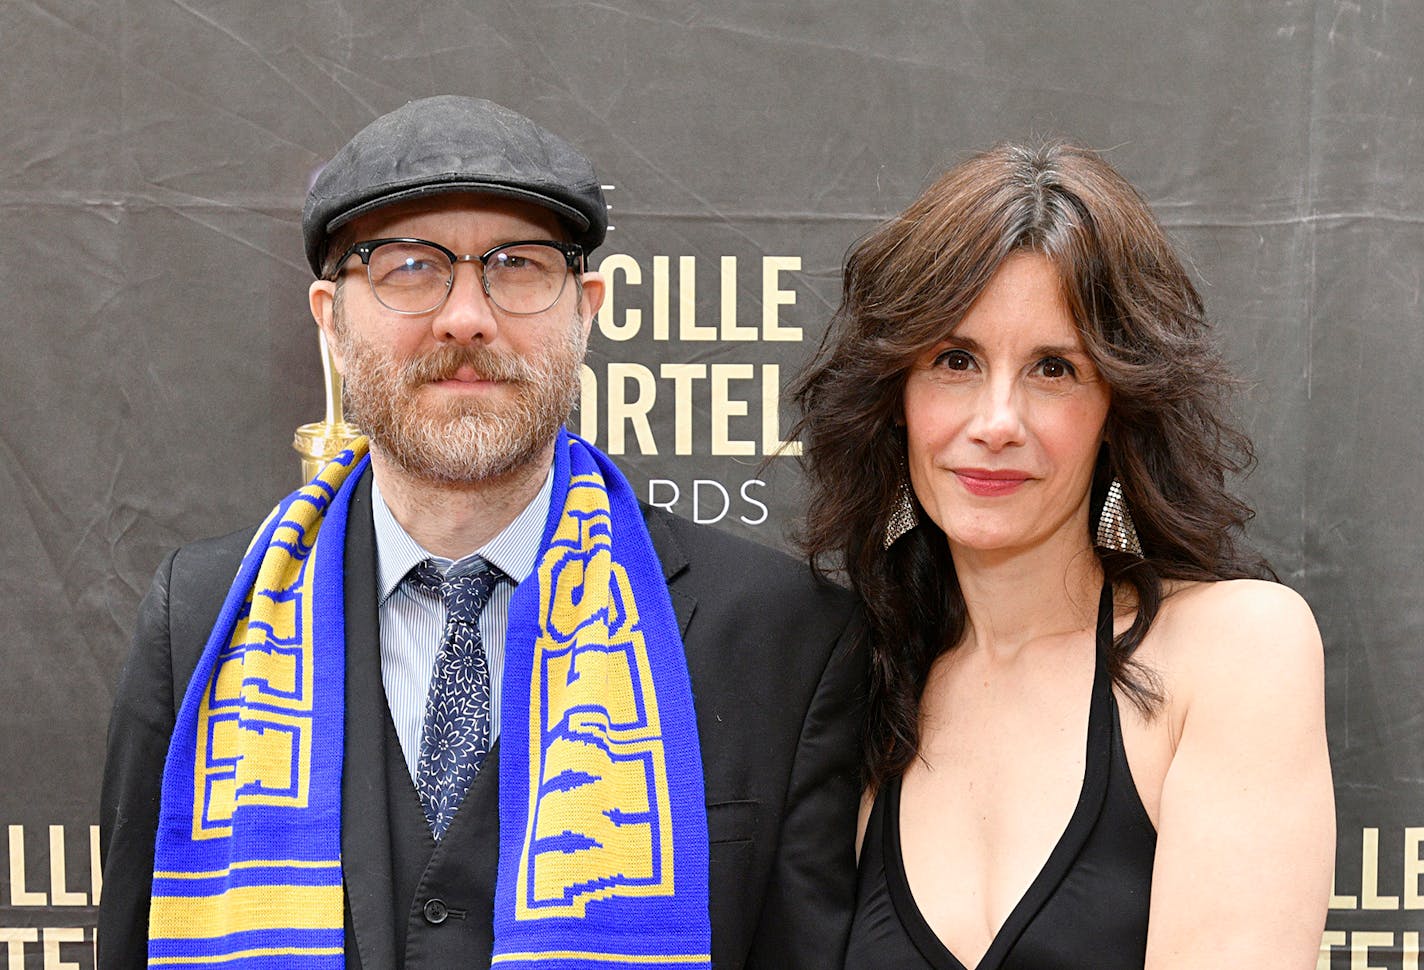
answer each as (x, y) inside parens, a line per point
(456, 735)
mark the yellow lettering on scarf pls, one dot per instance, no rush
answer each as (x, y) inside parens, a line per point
(254, 722)
(600, 821)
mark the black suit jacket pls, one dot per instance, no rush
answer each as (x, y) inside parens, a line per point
(778, 689)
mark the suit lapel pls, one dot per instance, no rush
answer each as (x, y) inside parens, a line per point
(674, 560)
(365, 824)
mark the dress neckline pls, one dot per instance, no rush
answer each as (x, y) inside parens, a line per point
(1096, 766)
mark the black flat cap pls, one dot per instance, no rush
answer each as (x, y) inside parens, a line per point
(451, 144)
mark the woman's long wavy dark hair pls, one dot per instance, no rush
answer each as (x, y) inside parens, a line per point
(1168, 437)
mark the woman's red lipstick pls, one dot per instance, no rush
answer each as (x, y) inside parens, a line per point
(990, 483)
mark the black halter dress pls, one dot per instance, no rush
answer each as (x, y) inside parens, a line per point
(1086, 909)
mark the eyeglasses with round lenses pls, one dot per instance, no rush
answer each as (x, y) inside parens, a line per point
(416, 275)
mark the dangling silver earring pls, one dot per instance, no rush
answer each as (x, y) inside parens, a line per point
(1115, 528)
(903, 517)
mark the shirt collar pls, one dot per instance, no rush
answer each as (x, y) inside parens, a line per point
(513, 550)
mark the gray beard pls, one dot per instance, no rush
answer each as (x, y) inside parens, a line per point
(461, 443)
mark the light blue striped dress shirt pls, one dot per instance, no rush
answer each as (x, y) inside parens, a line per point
(413, 622)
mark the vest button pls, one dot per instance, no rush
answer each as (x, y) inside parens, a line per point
(436, 912)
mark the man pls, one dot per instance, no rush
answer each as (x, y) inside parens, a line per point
(471, 703)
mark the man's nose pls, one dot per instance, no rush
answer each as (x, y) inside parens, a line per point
(467, 315)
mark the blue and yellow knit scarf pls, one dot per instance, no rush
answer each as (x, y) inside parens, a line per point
(603, 827)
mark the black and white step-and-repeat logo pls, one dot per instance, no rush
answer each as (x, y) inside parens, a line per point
(710, 388)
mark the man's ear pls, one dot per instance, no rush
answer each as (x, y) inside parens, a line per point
(591, 292)
(321, 296)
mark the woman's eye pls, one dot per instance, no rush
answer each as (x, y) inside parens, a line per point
(954, 360)
(1055, 367)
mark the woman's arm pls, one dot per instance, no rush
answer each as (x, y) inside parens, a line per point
(1246, 830)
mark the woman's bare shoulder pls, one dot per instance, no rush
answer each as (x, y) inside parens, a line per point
(1232, 633)
(1236, 608)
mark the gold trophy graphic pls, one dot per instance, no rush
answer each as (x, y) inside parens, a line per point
(321, 441)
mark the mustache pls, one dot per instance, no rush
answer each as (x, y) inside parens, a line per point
(443, 363)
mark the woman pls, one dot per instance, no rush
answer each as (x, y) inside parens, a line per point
(1096, 735)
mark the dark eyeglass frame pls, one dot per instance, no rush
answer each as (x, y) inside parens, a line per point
(572, 252)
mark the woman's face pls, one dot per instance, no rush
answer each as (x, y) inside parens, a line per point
(1005, 416)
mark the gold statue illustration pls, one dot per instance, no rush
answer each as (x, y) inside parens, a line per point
(320, 441)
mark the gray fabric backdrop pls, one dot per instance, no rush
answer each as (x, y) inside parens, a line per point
(159, 354)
